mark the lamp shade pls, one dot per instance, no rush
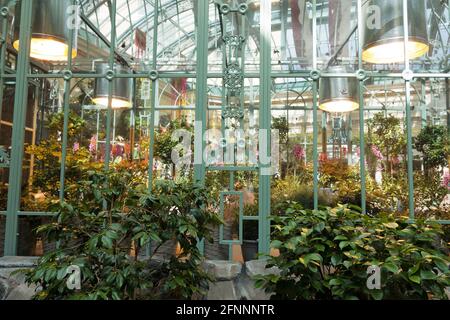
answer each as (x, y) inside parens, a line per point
(50, 30)
(338, 94)
(121, 88)
(384, 32)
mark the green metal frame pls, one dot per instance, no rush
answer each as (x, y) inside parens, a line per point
(223, 195)
(265, 76)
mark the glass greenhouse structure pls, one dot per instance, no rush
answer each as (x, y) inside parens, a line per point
(276, 108)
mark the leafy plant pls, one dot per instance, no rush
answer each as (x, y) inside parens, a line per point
(163, 140)
(293, 189)
(325, 254)
(386, 134)
(48, 154)
(105, 223)
(433, 142)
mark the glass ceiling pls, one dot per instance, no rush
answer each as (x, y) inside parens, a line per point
(176, 32)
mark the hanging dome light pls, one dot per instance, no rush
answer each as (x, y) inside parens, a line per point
(121, 87)
(338, 94)
(384, 43)
(50, 30)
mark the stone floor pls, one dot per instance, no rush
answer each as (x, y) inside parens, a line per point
(12, 286)
(234, 280)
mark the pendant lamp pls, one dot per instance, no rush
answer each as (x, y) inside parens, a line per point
(383, 34)
(50, 30)
(121, 87)
(338, 94)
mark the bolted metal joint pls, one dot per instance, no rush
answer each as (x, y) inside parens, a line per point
(224, 8)
(4, 11)
(243, 7)
(153, 75)
(110, 75)
(314, 74)
(361, 75)
(67, 74)
(407, 75)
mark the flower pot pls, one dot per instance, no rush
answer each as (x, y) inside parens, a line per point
(250, 250)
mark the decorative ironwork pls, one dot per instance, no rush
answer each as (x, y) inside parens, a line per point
(234, 41)
(233, 76)
(234, 79)
(233, 113)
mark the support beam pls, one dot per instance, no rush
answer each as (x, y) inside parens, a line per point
(265, 126)
(201, 93)
(18, 134)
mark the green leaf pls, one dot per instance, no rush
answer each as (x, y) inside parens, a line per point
(313, 257)
(335, 282)
(377, 294)
(391, 267)
(347, 264)
(440, 263)
(276, 244)
(107, 242)
(390, 225)
(427, 275)
(336, 260)
(414, 269)
(343, 244)
(415, 279)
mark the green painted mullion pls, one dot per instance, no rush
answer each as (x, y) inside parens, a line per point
(4, 19)
(362, 142)
(201, 107)
(201, 86)
(153, 97)
(66, 117)
(423, 104)
(113, 8)
(315, 147)
(362, 148)
(409, 152)
(265, 125)
(408, 113)
(18, 134)
(315, 111)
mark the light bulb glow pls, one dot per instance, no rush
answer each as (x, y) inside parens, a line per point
(339, 105)
(116, 103)
(47, 49)
(394, 52)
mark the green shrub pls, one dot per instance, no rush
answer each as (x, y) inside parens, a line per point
(105, 218)
(325, 254)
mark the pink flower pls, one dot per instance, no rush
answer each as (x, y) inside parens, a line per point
(446, 180)
(299, 152)
(376, 152)
(76, 147)
(93, 144)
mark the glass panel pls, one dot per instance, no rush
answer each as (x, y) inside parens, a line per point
(292, 36)
(430, 130)
(337, 34)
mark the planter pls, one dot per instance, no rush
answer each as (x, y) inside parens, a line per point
(250, 250)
